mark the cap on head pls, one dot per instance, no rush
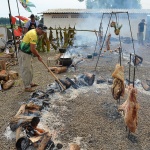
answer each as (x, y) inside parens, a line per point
(42, 27)
(32, 16)
(143, 20)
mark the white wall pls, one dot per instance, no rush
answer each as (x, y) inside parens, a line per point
(93, 22)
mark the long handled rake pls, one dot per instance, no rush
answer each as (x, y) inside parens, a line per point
(58, 81)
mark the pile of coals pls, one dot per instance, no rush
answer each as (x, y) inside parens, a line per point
(28, 135)
(86, 79)
(25, 123)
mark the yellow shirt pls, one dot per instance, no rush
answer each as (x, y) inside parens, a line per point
(29, 38)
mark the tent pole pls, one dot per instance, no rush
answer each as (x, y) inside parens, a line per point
(18, 13)
(12, 28)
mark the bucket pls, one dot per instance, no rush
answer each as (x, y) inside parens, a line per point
(65, 61)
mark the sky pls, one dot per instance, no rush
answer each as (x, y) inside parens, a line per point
(43, 5)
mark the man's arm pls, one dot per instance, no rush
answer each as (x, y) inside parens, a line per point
(35, 52)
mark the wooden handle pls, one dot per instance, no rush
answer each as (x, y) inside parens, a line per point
(54, 75)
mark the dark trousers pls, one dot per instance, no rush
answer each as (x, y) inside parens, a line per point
(140, 38)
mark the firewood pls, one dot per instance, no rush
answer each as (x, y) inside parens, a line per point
(40, 130)
(18, 132)
(24, 143)
(2, 65)
(35, 112)
(89, 78)
(21, 110)
(8, 84)
(35, 139)
(12, 55)
(4, 75)
(32, 106)
(15, 119)
(13, 75)
(52, 68)
(60, 69)
(28, 108)
(6, 56)
(74, 147)
(44, 141)
(20, 120)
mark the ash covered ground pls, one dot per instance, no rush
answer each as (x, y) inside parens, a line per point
(87, 116)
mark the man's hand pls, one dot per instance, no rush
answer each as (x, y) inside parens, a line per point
(40, 58)
(35, 52)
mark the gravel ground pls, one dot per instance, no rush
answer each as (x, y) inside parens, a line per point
(87, 116)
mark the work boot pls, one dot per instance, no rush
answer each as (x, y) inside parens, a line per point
(29, 90)
(34, 84)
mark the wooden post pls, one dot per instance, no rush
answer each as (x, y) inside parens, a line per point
(12, 28)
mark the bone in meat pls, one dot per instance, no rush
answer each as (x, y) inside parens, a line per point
(108, 42)
(130, 108)
(118, 87)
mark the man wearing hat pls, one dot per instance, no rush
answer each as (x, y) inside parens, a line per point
(27, 50)
(140, 31)
(31, 24)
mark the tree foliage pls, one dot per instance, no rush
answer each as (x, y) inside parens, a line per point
(4, 21)
(110, 4)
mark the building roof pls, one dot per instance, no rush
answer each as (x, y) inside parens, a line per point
(76, 11)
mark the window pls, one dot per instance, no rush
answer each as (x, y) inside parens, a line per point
(79, 16)
(60, 16)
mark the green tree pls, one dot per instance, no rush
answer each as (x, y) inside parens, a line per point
(6, 21)
(108, 4)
